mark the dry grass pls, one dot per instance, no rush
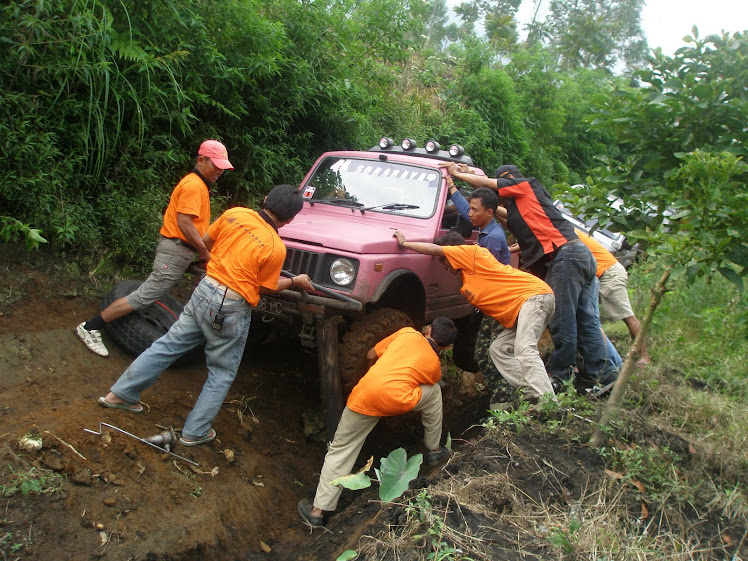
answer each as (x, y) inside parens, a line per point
(471, 513)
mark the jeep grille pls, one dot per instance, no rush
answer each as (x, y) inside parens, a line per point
(303, 262)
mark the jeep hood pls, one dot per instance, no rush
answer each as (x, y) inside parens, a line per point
(359, 234)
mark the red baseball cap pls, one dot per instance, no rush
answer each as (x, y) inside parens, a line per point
(217, 153)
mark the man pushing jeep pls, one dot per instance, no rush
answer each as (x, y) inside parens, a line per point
(185, 222)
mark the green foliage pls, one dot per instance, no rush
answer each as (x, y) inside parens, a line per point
(32, 480)
(347, 555)
(596, 33)
(10, 229)
(681, 184)
(441, 550)
(702, 329)
(394, 476)
(566, 538)
(517, 418)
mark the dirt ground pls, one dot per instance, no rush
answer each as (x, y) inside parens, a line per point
(123, 500)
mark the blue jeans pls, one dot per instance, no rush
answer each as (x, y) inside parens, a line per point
(614, 359)
(223, 353)
(576, 325)
(613, 355)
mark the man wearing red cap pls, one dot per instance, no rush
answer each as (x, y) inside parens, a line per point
(186, 221)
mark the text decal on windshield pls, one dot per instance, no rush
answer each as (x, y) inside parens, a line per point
(384, 170)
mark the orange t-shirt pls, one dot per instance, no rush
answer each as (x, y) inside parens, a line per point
(190, 196)
(605, 259)
(247, 254)
(392, 384)
(496, 290)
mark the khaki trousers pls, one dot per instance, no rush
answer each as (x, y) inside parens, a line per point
(351, 434)
(515, 351)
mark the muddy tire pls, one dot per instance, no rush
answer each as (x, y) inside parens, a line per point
(135, 332)
(362, 336)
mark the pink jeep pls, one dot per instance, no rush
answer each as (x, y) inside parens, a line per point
(343, 239)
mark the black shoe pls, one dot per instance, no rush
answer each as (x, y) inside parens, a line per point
(305, 511)
(608, 378)
(432, 458)
(557, 384)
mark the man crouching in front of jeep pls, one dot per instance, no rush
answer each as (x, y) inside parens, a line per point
(403, 378)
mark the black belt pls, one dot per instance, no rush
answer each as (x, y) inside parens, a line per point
(553, 254)
(181, 242)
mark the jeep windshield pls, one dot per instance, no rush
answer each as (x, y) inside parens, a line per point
(374, 186)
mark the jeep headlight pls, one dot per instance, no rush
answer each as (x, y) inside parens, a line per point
(342, 271)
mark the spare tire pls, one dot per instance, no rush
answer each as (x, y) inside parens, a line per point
(137, 331)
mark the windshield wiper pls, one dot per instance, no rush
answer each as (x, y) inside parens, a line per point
(391, 206)
(338, 201)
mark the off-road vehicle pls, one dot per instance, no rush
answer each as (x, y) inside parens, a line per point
(343, 239)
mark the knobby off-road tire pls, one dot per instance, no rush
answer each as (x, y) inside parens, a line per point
(362, 336)
(135, 332)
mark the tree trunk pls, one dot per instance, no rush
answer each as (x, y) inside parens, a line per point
(616, 396)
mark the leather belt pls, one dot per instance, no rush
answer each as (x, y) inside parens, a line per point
(231, 294)
(181, 242)
(559, 248)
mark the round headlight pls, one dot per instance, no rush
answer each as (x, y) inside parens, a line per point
(432, 146)
(342, 272)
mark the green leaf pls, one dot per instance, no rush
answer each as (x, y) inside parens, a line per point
(397, 473)
(732, 276)
(347, 555)
(354, 481)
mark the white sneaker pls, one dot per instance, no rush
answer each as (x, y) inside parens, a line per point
(92, 339)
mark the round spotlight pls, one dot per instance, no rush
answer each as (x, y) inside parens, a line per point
(386, 142)
(408, 144)
(432, 146)
(456, 150)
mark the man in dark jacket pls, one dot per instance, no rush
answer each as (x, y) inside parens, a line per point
(551, 250)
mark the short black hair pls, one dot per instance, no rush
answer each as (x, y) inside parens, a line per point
(450, 238)
(443, 331)
(284, 201)
(488, 198)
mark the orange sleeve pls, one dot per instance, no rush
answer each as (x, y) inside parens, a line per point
(191, 197)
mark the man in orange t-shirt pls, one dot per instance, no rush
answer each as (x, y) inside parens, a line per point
(614, 293)
(522, 303)
(185, 222)
(404, 378)
(247, 256)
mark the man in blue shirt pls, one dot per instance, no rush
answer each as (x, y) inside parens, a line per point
(480, 211)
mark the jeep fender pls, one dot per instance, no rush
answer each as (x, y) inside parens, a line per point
(401, 289)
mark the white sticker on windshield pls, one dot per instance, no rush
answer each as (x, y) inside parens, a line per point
(309, 191)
